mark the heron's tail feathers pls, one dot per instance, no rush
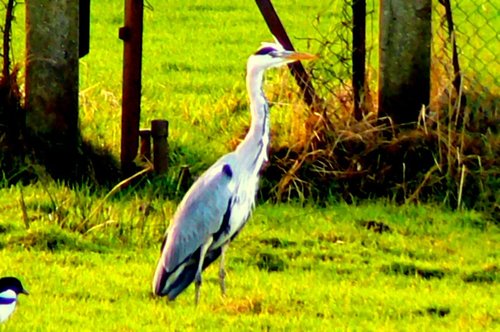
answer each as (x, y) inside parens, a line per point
(171, 284)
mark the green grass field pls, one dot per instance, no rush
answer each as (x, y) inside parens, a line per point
(292, 268)
(88, 259)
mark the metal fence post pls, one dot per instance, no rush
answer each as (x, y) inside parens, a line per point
(358, 56)
(276, 27)
(131, 34)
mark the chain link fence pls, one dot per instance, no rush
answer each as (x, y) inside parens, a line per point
(450, 155)
(471, 26)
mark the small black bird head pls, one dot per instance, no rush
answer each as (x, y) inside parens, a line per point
(12, 283)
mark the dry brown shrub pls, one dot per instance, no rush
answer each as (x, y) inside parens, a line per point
(448, 156)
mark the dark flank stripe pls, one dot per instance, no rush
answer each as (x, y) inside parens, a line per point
(266, 117)
(226, 169)
(7, 300)
(260, 146)
(224, 227)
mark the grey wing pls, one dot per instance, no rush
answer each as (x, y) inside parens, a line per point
(199, 215)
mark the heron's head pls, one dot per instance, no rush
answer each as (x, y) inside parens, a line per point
(271, 55)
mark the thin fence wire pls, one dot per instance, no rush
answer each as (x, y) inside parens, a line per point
(475, 32)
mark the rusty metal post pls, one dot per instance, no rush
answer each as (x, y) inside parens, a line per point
(131, 34)
(159, 132)
(145, 147)
(297, 69)
(358, 56)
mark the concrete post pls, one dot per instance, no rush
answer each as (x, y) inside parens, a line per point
(52, 70)
(404, 73)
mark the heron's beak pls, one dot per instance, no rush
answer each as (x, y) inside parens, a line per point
(295, 56)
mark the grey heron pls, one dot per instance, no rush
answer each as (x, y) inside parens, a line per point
(219, 203)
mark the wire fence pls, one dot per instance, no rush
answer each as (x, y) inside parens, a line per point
(451, 154)
(475, 33)
(471, 26)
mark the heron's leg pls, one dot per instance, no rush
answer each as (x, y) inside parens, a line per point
(222, 271)
(197, 278)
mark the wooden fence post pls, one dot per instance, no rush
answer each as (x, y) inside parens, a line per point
(159, 132)
(145, 146)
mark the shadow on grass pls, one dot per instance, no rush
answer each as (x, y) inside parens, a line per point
(487, 275)
(435, 311)
(53, 238)
(412, 270)
(271, 262)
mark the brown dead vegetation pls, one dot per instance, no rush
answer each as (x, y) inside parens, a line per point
(447, 156)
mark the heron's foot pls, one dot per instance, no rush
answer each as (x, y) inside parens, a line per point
(197, 285)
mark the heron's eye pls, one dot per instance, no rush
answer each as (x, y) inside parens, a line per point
(265, 50)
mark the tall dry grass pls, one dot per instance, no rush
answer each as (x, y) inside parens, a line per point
(449, 155)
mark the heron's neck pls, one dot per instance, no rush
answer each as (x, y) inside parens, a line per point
(256, 141)
(258, 102)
